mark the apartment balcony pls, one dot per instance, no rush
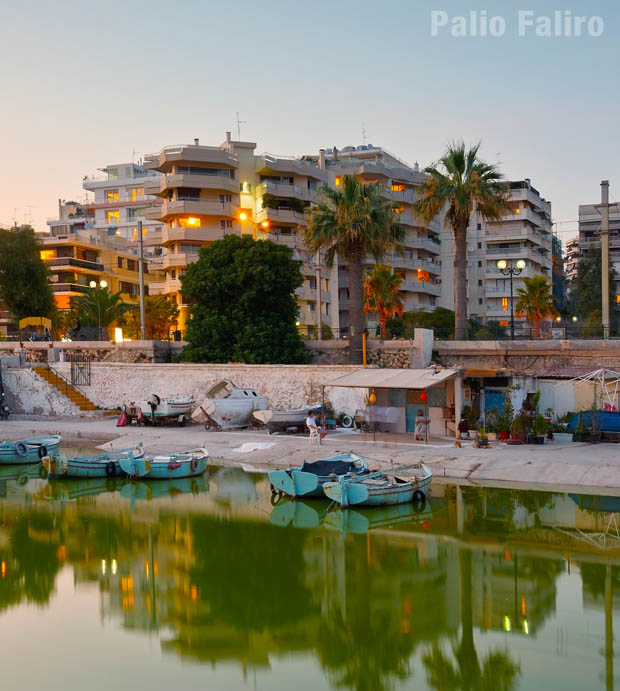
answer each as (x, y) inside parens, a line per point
(70, 262)
(187, 207)
(399, 262)
(268, 163)
(406, 196)
(279, 189)
(423, 244)
(139, 201)
(199, 234)
(69, 288)
(281, 216)
(177, 260)
(169, 156)
(310, 294)
(516, 232)
(198, 181)
(420, 287)
(168, 287)
(526, 215)
(538, 255)
(527, 195)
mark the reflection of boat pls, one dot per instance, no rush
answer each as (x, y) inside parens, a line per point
(308, 479)
(381, 489)
(594, 503)
(296, 513)
(228, 406)
(352, 521)
(166, 467)
(102, 465)
(148, 490)
(21, 473)
(235, 485)
(29, 450)
(280, 420)
(66, 490)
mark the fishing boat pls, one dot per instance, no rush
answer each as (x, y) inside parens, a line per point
(281, 420)
(352, 521)
(297, 514)
(308, 479)
(228, 406)
(381, 489)
(104, 465)
(173, 407)
(189, 463)
(29, 450)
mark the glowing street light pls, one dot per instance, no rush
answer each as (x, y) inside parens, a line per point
(102, 285)
(509, 270)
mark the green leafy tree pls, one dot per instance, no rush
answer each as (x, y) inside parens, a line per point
(354, 221)
(241, 295)
(24, 284)
(586, 291)
(535, 301)
(160, 316)
(382, 294)
(461, 183)
(100, 307)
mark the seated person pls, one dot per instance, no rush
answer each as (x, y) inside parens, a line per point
(312, 424)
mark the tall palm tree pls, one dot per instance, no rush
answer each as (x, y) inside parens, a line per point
(99, 307)
(462, 183)
(354, 220)
(382, 294)
(536, 301)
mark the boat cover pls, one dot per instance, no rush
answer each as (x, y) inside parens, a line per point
(328, 467)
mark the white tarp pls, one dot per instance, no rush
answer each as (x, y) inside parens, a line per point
(367, 378)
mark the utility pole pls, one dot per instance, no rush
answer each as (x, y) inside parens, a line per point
(318, 295)
(141, 279)
(605, 255)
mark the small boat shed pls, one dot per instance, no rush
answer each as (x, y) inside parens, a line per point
(401, 393)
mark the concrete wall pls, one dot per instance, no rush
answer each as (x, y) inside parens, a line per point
(287, 386)
(27, 393)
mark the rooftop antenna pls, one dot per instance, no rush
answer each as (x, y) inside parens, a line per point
(239, 123)
(364, 136)
(28, 216)
(15, 217)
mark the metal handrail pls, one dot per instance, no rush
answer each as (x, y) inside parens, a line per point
(65, 381)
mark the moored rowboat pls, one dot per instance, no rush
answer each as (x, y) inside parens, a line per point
(104, 465)
(308, 480)
(189, 463)
(29, 450)
(381, 489)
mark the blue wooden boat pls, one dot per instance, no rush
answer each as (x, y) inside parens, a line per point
(148, 490)
(297, 514)
(29, 450)
(359, 522)
(104, 465)
(308, 480)
(189, 463)
(381, 489)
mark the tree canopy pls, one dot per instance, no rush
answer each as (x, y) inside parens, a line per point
(241, 295)
(24, 284)
(461, 183)
(160, 316)
(382, 294)
(586, 291)
(535, 300)
(99, 306)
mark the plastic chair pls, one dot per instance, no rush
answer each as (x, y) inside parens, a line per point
(315, 437)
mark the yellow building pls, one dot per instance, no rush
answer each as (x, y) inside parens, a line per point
(77, 259)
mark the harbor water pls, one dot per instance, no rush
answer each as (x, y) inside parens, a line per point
(206, 584)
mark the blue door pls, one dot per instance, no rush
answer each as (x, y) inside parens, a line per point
(493, 400)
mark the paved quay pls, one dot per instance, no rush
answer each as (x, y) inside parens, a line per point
(560, 466)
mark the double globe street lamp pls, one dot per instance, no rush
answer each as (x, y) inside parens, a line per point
(508, 269)
(102, 284)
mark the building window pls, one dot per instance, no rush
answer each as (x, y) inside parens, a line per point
(327, 309)
(312, 283)
(112, 216)
(397, 187)
(225, 224)
(173, 273)
(312, 185)
(119, 262)
(111, 195)
(189, 222)
(112, 173)
(505, 304)
(479, 281)
(479, 264)
(225, 198)
(617, 296)
(338, 180)
(479, 226)
(423, 276)
(504, 323)
(326, 285)
(479, 245)
(312, 306)
(47, 254)
(246, 188)
(132, 265)
(479, 301)
(137, 193)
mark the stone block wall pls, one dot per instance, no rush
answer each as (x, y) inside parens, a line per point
(27, 393)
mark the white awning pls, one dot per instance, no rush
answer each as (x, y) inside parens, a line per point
(394, 378)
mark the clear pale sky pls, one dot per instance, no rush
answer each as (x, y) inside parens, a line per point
(86, 83)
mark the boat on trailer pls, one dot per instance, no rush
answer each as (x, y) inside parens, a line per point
(281, 420)
(104, 465)
(308, 479)
(29, 450)
(228, 406)
(189, 463)
(382, 488)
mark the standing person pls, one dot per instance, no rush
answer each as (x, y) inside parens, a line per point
(312, 424)
(153, 402)
(420, 426)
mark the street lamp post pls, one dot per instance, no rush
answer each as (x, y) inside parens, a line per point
(508, 269)
(97, 286)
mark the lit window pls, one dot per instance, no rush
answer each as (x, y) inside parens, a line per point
(399, 209)
(112, 216)
(398, 188)
(111, 195)
(189, 222)
(338, 180)
(50, 254)
(136, 193)
(423, 276)
(505, 304)
(617, 296)
(504, 323)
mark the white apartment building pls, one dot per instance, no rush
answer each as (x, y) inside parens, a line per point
(590, 236)
(524, 233)
(573, 256)
(210, 191)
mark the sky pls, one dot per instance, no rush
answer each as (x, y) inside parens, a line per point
(87, 83)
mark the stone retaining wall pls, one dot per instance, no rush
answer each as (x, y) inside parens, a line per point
(27, 393)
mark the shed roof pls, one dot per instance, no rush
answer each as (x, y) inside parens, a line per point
(367, 378)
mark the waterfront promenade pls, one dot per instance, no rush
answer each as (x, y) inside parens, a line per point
(560, 465)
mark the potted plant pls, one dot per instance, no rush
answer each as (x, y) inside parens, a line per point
(540, 428)
(472, 420)
(483, 438)
(491, 426)
(519, 428)
(580, 432)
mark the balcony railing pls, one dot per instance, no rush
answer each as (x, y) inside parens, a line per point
(78, 263)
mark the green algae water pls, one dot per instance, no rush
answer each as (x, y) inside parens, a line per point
(204, 584)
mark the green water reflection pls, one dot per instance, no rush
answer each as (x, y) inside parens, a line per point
(205, 583)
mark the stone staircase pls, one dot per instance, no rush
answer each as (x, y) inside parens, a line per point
(66, 389)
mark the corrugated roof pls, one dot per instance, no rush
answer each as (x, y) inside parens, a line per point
(366, 378)
(567, 372)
